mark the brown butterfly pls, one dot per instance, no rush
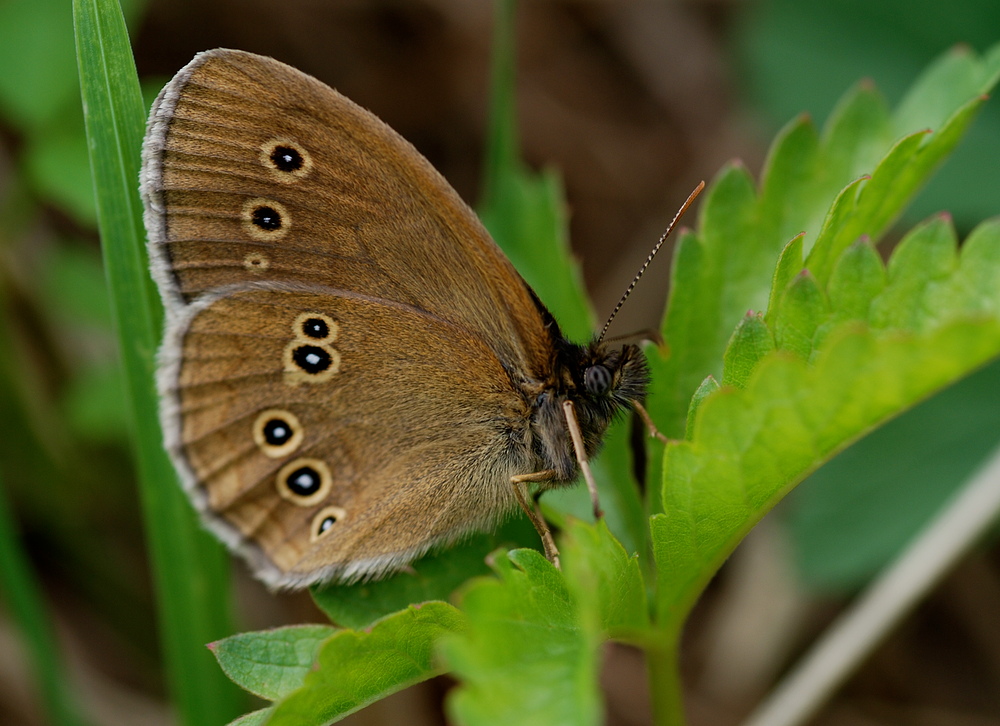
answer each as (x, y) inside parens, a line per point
(353, 372)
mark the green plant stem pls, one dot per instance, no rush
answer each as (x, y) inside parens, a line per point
(663, 665)
(26, 605)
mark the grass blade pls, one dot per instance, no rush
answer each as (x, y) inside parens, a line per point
(189, 568)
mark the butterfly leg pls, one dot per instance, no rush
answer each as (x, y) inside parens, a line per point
(581, 456)
(534, 513)
(647, 419)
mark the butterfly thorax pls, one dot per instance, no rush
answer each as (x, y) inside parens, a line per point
(602, 383)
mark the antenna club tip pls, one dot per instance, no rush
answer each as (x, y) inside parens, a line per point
(656, 248)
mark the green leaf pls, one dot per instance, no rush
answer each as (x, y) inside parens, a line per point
(832, 234)
(699, 300)
(530, 655)
(918, 275)
(857, 279)
(355, 668)
(527, 657)
(803, 308)
(857, 132)
(790, 185)
(728, 266)
(789, 265)
(605, 581)
(747, 448)
(707, 387)
(271, 663)
(751, 341)
(254, 718)
(801, 55)
(911, 466)
(946, 84)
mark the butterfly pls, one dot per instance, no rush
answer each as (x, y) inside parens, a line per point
(352, 372)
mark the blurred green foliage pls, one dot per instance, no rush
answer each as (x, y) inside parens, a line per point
(63, 452)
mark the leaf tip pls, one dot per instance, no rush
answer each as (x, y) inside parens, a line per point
(735, 163)
(960, 48)
(862, 241)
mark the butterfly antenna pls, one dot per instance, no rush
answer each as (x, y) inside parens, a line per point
(656, 248)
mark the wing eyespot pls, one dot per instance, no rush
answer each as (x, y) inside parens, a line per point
(304, 482)
(323, 522)
(308, 362)
(315, 327)
(287, 160)
(277, 432)
(256, 262)
(265, 220)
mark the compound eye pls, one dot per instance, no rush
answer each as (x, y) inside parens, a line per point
(597, 380)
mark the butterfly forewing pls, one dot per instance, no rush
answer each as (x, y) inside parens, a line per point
(256, 171)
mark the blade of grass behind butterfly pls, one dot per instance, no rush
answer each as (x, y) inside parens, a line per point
(526, 214)
(189, 568)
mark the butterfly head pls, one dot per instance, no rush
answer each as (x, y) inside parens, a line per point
(612, 376)
(603, 382)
